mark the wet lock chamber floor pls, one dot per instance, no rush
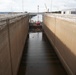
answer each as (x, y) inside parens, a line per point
(39, 57)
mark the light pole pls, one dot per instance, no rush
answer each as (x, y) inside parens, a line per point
(51, 6)
(22, 6)
(38, 12)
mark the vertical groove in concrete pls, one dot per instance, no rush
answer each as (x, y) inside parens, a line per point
(9, 46)
(39, 58)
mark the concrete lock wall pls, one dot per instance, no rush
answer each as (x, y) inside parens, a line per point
(5, 65)
(12, 40)
(62, 34)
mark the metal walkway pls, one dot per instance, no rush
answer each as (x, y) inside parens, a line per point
(39, 57)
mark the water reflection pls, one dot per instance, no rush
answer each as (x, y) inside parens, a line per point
(39, 57)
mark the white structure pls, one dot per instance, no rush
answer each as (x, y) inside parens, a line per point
(69, 11)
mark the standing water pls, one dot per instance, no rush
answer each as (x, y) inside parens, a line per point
(39, 57)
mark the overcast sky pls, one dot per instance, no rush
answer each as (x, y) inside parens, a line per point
(31, 5)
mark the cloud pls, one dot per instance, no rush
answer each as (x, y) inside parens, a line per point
(70, 4)
(31, 5)
(9, 5)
